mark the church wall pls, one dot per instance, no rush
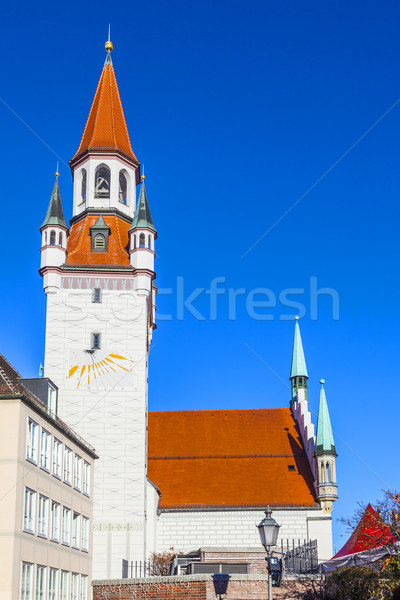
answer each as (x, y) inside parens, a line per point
(109, 409)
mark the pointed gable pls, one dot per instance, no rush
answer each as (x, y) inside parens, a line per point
(106, 129)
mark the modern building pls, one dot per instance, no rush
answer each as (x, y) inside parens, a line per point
(164, 479)
(46, 497)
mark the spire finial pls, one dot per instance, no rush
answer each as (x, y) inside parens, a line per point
(296, 318)
(143, 177)
(322, 381)
(108, 45)
(57, 173)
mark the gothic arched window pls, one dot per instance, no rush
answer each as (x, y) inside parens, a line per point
(123, 188)
(102, 182)
(45, 238)
(60, 239)
(83, 185)
(142, 241)
(99, 242)
(134, 241)
(52, 238)
(150, 242)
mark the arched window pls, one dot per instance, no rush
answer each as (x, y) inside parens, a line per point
(142, 241)
(134, 241)
(52, 238)
(83, 185)
(123, 188)
(45, 238)
(150, 242)
(60, 239)
(102, 182)
(99, 242)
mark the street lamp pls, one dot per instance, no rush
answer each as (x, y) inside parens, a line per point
(268, 530)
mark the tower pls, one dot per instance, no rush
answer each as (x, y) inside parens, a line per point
(325, 454)
(298, 372)
(100, 317)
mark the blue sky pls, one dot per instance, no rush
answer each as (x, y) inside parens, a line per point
(236, 110)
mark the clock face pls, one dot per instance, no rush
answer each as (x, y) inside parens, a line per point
(94, 369)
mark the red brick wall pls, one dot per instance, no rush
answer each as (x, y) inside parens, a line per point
(200, 587)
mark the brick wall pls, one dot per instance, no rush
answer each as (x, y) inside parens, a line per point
(203, 587)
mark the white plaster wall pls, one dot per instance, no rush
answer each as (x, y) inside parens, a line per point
(191, 530)
(110, 412)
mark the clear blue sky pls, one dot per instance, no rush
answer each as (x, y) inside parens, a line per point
(236, 109)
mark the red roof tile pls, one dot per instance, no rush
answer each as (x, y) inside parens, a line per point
(79, 243)
(106, 128)
(228, 458)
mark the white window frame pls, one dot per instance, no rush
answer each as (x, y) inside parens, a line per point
(52, 399)
(40, 592)
(29, 510)
(84, 587)
(67, 465)
(57, 458)
(85, 534)
(64, 581)
(32, 437)
(43, 516)
(96, 295)
(26, 577)
(45, 450)
(77, 472)
(74, 586)
(66, 526)
(55, 521)
(76, 530)
(86, 478)
(53, 579)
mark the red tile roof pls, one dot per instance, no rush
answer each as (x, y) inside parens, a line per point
(217, 458)
(79, 243)
(106, 129)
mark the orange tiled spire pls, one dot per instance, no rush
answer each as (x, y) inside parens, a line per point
(106, 129)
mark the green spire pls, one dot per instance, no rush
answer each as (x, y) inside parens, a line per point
(324, 442)
(142, 218)
(55, 213)
(299, 368)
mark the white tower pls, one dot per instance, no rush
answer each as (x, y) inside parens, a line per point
(100, 317)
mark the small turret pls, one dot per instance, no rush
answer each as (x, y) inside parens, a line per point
(325, 454)
(54, 232)
(142, 235)
(298, 372)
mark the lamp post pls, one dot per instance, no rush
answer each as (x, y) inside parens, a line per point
(268, 530)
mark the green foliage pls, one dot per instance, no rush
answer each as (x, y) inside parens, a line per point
(361, 583)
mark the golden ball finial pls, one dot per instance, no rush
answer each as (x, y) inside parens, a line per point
(108, 46)
(143, 177)
(57, 174)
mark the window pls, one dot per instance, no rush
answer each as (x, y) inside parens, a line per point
(86, 478)
(64, 591)
(84, 587)
(134, 242)
(67, 465)
(29, 510)
(40, 583)
(53, 584)
(66, 526)
(26, 581)
(99, 242)
(57, 458)
(55, 521)
(85, 534)
(43, 516)
(150, 242)
(52, 238)
(123, 188)
(96, 295)
(102, 182)
(83, 185)
(45, 450)
(96, 341)
(142, 240)
(291, 467)
(74, 586)
(45, 238)
(76, 529)
(52, 399)
(32, 441)
(78, 473)
(60, 239)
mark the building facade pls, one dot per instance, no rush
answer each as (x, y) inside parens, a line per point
(46, 471)
(163, 479)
